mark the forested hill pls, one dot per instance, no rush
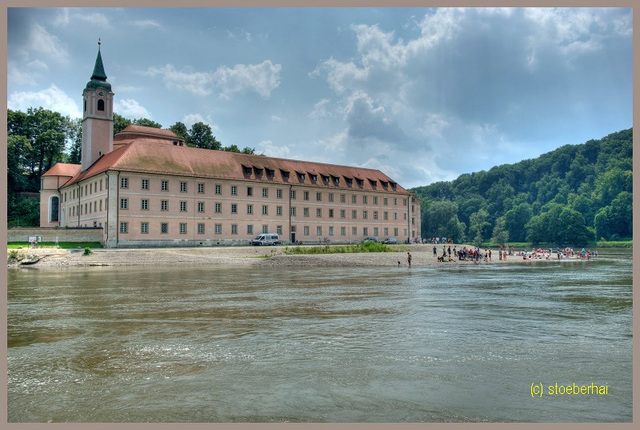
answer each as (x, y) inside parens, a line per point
(570, 196)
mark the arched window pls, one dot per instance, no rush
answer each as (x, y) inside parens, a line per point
(54, 209)
(101, 104)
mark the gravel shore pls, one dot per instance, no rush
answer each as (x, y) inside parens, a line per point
(422, 255)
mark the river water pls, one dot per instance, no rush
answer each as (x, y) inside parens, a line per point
(427, 344)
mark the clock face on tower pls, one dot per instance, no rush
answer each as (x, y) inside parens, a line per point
(101, 94)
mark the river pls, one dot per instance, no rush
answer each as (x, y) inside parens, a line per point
(484, 343)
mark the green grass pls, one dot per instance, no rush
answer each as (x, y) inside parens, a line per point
(62, 245)
(615, 244)
(339, 249)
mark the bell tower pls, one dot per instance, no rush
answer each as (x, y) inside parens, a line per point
(97, 116)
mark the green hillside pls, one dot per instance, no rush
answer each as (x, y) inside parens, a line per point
(571, 196)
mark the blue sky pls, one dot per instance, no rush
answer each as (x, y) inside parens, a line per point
(423, 94)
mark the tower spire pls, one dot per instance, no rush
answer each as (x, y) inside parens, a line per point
(99, 77)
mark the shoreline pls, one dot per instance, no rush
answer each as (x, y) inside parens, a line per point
(248, 256)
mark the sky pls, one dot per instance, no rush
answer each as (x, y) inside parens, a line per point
(422, 94)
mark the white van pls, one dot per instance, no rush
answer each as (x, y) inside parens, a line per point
(266, 239)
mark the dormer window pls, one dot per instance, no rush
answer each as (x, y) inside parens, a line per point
(300, 176)
(258, 171)
(349, 181)
(247, 170)
(325, 179)
(285, 175)
(336, 180)
(360, 182)
(270, 173)
(374, 184)
(313, 177)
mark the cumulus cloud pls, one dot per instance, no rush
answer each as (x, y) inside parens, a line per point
(51, 98)
(261, 79)
(131, 108)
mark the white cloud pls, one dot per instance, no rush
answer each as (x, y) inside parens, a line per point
(41, 42)
(130, 108)
(320, 110)
(28, 75)
(274, 150)
(52, 98)
(260, 78)
(147, 23)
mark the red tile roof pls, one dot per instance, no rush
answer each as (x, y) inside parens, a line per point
(63, 169)
(144, 154)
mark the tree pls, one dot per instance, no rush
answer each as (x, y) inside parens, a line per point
(515, 221)
(440, 219)
(201, 136)
(147, 123)
(500, 232)
(478, 222)
(575, 231)
(75, 136)
(181, 130)
(119, 123)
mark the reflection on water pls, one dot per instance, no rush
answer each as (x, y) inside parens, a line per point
(428, 344)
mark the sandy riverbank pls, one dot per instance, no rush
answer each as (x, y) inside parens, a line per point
(422, 255)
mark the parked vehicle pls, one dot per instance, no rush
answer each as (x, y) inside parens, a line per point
(390, 241)
(266, 239)
(370, 239)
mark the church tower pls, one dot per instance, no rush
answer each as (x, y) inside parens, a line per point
(97, 117)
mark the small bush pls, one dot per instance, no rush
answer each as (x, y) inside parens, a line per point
(87, 251)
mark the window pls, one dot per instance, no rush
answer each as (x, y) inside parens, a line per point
(183, 228)
(306, 230)
(265, 192)
(145, 184)
(319, 231)
(218, 208)
(164, 205)
(124, 227)
(375, 215)
(318, 213)
(183, 206)
(365, 231)
(234, 208)
(265, 210)
(364, 214)
(124, 203)
(218, 189)
(364, 200)
(386, 231)
(385, 201)
(319, 197)
(249, 209)
(353, 199)
(395, 202)
(305, 212)
(293, 194)
(331, 197)
(164, 228)
(375, 200)
(305, 195)
(200, 228)
(386, 216)
(183, 187)
(249, 229)
(330, 213)
(354, 214)
(165, 185)
(279, 229)
(375, 231)
(279, 210)
(100, 105)
(234, 228)
(200, 207)
(330, 231)
(343, 198)
(218, 228)
(293, 211)
(144, 204)
(250, 191)
(279, 194)
(124, 182)
(265, 228)
(234, 190)
(144, 227)
(395, 231)
(343, 231)
(201, 188)
(54, 206)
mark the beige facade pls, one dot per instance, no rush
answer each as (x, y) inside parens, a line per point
(150, 189)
